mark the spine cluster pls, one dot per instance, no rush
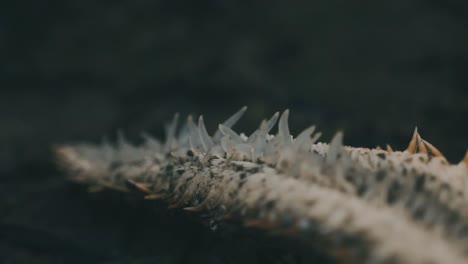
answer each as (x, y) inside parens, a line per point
(376, 206)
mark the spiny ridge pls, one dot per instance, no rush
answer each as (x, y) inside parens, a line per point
(406, 206)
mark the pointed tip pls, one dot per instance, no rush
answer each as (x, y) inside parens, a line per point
(171, 129)
(271, 122)
(416, 132)
(201, 122)
(304, 140)
(465, 159)
(112, 186)
(140, 186)
(275, 116)
(285, 115)
(378, 148)
(414, 141)
(283, 127)
(433, 150)
(335, 147)
(389, 148)
(337, 139)
(338, 135)
(232, 120)
(205, 138)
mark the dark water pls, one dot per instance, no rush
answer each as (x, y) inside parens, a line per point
(79, 70)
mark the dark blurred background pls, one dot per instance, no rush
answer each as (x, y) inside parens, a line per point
(80, 70)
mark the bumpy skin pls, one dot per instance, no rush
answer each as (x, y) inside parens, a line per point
(359, 205)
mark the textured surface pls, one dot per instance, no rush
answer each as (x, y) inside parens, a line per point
(353, 204)
(80, 70)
